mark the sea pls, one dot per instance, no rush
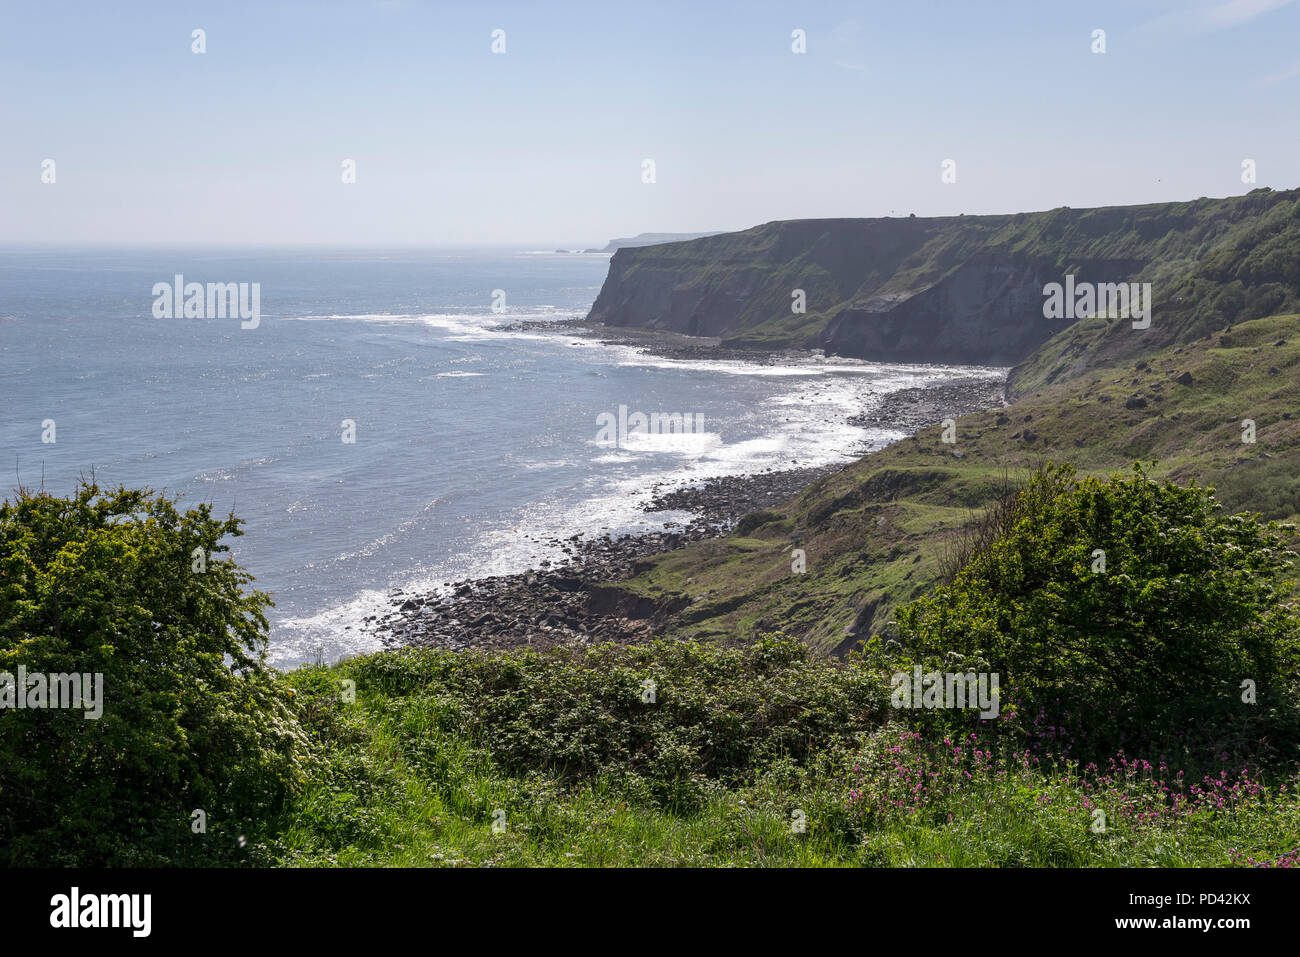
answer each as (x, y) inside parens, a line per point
(385, 423)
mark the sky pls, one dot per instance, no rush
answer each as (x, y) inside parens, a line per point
(546, 143)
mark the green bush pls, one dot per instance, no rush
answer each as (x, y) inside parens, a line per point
(716, 714)
(1190, 604)
(104, 582)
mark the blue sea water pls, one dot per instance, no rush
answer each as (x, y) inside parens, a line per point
(474, 445)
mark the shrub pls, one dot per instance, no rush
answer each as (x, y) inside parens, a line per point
(1190, 604)
(716, 714)
(102, 582)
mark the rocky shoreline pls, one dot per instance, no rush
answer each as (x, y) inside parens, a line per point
(910, 410)
(561, 603)
(568, 602)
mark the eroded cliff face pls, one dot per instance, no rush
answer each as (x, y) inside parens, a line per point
(989, 311)
(739, 286)
(960, 289)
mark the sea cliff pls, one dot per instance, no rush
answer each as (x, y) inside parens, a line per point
(961, 289)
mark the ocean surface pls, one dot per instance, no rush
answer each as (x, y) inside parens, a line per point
(473, 444)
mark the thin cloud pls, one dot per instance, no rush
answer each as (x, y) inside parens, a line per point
(1289, 73)
(845, 42)
(1212, 18)
(1226, 15)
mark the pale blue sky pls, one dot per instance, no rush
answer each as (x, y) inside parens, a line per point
(543, 145)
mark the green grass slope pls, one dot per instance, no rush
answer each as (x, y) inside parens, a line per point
(1245, 268)
(763, 756)
(875, 534)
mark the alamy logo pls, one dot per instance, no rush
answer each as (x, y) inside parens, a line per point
(614, 429)
(35, 690)
(1122, 300)
(103, 910)
(951, 690)
(216, 300)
